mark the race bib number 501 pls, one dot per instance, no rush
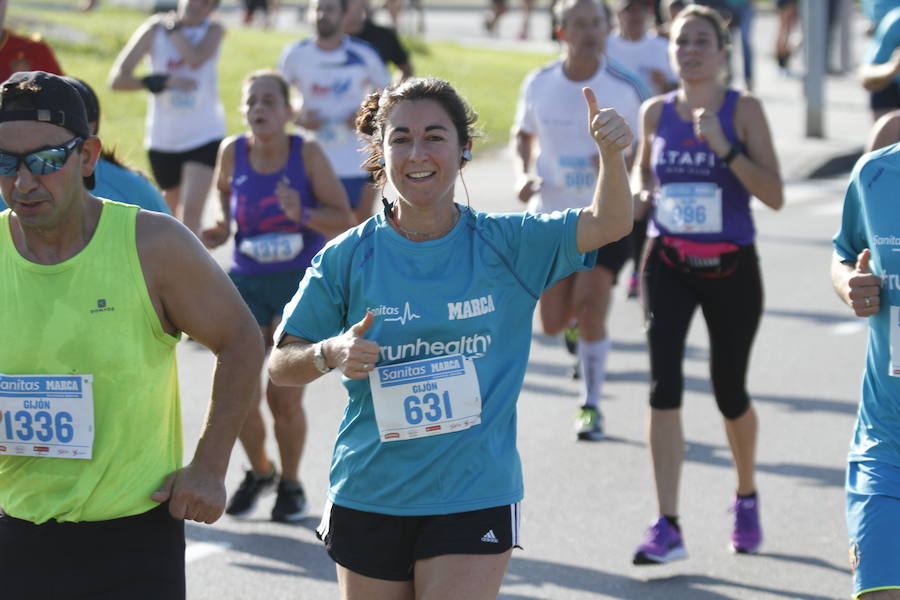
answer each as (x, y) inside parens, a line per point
(47, 415)
(426, 397)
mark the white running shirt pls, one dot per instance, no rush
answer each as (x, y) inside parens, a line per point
(334, 83)
(551, 107)
(179, 121)
(642, 56)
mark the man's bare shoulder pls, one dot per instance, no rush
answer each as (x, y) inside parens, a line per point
(161, 237)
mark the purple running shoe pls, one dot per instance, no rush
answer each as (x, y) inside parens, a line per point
(663, 544)
(747, 535)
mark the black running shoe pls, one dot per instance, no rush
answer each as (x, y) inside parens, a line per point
(290, 506)
(244, 499)
(570, 337)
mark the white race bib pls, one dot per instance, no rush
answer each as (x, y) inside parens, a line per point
(576, 173)
(690, 207)
(332, 133)
(426, 397)
(894, 367)
(181, 100)
(47, 415)
(272, 247)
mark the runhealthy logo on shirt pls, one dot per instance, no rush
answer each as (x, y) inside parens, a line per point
(473, 346)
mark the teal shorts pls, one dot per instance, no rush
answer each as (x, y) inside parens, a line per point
(266, 295)
(873, 525)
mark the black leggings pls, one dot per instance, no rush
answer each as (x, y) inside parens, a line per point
(732, 307)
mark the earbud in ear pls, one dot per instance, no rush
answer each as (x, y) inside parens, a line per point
(381, 161)
(466, 154)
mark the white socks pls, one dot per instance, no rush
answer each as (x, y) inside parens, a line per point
(592, 356)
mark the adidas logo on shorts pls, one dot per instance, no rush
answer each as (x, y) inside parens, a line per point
(490, 537)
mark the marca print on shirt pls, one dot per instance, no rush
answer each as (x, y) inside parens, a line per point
(467, 309)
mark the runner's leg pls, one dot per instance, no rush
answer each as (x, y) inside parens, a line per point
(286, 404)
(592, 299)
(556, 309)
(470, 576)
(253, 436)
(196, 179)
(172, 197)
(354, 586)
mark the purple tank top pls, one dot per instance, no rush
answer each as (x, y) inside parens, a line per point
(267, 241)
(699, 197)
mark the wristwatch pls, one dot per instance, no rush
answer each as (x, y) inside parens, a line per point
(319, 357)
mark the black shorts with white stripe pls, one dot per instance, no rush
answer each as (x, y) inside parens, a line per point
(388, 546)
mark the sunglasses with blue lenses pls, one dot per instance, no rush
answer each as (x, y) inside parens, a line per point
(41, 161)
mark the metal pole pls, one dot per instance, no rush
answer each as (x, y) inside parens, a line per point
(813, 14)
(845, 14)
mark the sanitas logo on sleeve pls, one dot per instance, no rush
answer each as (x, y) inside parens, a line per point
(470, 308)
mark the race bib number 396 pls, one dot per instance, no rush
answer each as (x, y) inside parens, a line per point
(426, 397)
(690, 207)
(47, 415)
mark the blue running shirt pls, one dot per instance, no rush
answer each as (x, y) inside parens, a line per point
(871, 219)
(471, 292)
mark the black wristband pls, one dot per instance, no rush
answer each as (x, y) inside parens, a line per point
(155, 83)
(732, 154)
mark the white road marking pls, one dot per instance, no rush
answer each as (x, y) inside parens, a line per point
(848, 327)
(827, 210)
(197, 550)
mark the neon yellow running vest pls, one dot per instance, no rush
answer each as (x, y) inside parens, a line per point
(91, 314)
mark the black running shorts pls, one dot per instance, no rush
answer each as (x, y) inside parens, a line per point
(387, 546)
(167, 166)
(887, 98)
(138, 558)
(613, 256)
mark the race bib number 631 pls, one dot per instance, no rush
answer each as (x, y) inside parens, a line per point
(426, 397)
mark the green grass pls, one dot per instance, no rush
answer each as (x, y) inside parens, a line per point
(87, 44)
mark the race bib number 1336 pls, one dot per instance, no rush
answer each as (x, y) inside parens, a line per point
(47, 415)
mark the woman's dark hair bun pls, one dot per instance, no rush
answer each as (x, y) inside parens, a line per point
(365, 119)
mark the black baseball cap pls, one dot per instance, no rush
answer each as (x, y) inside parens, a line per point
(44, 97)
(89, 97)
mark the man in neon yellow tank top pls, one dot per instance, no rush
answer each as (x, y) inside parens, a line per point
(95, 295)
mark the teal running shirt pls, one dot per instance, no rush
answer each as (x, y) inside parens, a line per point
(871, 219)
(471, 292)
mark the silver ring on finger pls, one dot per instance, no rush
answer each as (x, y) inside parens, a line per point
(367, 366)
(868, 301)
